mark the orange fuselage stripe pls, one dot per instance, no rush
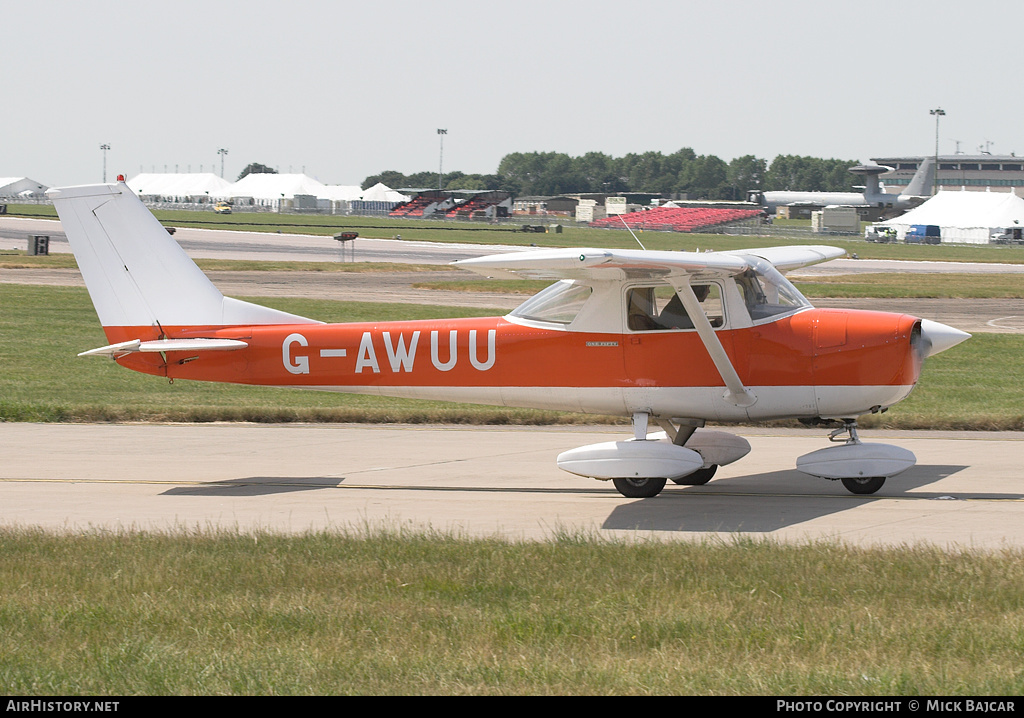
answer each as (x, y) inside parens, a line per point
(814, 347)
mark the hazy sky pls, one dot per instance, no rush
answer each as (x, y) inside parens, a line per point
(348, 89)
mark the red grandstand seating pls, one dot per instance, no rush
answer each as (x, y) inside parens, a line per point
(414, 207)
(467, 208)
(676, 219)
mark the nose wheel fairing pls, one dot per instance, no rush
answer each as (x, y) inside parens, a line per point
(863, 468)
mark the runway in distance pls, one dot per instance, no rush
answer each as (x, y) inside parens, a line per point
(917, 191)
(674, 339)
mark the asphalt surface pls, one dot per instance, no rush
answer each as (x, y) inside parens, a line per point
(966, 492)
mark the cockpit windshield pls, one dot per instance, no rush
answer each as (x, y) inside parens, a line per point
(559, 303)
(768, 294)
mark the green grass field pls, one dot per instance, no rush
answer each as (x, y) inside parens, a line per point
(393, 613)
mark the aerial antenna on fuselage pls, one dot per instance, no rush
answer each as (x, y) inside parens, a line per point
(631, 232)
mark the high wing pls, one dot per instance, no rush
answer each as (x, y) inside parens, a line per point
(787, 258)
(610, 264)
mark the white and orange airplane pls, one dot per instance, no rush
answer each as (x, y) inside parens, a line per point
(676, 339)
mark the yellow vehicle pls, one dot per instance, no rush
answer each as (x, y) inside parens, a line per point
(222, 208)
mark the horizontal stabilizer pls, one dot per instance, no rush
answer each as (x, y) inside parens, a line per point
(166, 345)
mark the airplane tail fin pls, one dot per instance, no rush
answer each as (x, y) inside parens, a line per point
(921, 183)
(136, 274)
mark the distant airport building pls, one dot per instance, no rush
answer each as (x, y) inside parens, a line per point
(983, 172)
(565, 205)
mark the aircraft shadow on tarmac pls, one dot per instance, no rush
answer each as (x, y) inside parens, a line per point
(256, 486)
(742, 504)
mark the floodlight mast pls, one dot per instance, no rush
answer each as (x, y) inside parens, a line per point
(222, 152)
(938, 112)
(440, 162)
(105, 146)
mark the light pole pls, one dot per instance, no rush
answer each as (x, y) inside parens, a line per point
(440, 161)
(938, 112)
(222, 152)
(105, 147)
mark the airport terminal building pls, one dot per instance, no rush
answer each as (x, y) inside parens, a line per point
(982, 172)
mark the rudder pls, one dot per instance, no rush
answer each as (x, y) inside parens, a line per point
(136, 274)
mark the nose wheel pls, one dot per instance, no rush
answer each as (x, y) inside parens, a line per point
(639, 488)
(858, 485)
(864, 486)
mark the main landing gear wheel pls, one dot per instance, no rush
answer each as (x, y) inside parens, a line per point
(639, 488)
(864, 486)
(698, 477)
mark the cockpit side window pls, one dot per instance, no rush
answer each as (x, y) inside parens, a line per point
(766, 293)
(558, 304)
(659, 307)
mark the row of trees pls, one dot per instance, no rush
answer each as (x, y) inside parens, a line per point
(698, 176)
(428, 180)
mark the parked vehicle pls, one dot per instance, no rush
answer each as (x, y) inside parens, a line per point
(923, 234)
(880, 234)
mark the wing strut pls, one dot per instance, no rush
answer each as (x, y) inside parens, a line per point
(736, 394)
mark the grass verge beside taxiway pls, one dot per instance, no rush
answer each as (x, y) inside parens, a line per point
(382, 612)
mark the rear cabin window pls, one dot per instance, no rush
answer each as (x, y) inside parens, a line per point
(659, 307)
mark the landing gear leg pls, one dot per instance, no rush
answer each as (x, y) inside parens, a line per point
(859, 485)
(849, 428)
(679, 437)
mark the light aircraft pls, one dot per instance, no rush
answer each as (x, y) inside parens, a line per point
(675, 339)
(917, 191)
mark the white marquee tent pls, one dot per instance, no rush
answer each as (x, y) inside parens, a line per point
(21, 187)
(382, 193)
(184, 187)
(269, 189)
(342, 192)
(262, 189)
(965, 217)
(379, 198)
